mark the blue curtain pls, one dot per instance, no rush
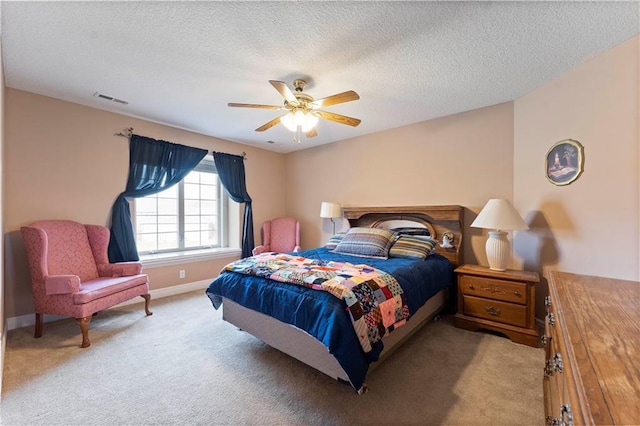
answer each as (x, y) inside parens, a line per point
(231, 172)
(154, 165)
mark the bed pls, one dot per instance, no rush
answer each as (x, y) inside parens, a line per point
(315, 326)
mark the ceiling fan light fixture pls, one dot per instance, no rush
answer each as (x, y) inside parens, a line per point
(310, 122)
(287, 121)
(297, 118)
(304, 112)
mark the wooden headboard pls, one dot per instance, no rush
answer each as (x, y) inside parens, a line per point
(438, 219)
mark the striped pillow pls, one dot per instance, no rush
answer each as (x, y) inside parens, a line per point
(412, 247)
(369, 242)
(334, 240)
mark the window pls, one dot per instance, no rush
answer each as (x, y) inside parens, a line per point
(189, 215)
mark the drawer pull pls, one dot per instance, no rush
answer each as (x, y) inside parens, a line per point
(565, 419)
(517, 293)
(557, 361)
(553, 365)
(551, 319)
(566, 415)
(471, 287)
(553, 421)
(547, 371)
(493, 311)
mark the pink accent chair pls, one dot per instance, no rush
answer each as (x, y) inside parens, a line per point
(71, 274)
(280, 235)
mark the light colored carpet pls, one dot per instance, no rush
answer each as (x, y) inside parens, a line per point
(186, 366)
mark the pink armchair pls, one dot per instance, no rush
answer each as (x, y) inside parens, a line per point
(281, 235)
(71, 274)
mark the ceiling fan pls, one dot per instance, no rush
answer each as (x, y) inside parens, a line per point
(303, 111)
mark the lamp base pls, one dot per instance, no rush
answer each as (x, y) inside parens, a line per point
(498, 250)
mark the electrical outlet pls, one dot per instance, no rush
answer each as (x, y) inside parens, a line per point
(182, 273)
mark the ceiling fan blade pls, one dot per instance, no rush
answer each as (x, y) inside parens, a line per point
(284, 91)
(339, 98)
(233, 104)
(312, 133)
(269, 125)
(342, 119)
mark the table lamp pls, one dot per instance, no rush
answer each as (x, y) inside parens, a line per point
(500, 215)
(330, 211)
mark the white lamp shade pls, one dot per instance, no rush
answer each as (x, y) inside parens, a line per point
(499, 214)
(330, 210)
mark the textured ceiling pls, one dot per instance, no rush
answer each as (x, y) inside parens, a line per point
(180, 63)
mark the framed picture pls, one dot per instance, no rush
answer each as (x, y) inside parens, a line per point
(564, 162)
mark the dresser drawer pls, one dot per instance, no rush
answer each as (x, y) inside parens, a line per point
(508, 313)
(507, 291)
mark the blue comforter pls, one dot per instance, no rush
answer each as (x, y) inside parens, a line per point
(324, 316)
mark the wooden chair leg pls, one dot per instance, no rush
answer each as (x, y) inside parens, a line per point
(39, 325)
(147, 299)
(84, 327)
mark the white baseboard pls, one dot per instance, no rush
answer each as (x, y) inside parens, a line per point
(30, 320)
(169, 291)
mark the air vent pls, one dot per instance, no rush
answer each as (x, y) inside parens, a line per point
(110, 98)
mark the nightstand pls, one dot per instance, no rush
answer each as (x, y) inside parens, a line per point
(498, 301)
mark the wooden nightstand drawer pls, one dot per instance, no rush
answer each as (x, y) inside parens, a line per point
(508, 313)
(507, 291)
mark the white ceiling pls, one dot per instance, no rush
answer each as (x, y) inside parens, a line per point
(180, 63)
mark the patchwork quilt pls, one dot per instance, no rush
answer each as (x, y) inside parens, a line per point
(375, 301)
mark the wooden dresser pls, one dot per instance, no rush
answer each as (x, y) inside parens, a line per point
(592, 344)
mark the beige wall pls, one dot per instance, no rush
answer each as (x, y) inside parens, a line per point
(461, 159)
(590, 226)
(64, 162)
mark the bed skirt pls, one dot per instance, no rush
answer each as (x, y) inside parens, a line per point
(307, 349)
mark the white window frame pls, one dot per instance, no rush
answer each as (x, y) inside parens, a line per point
(193, 254)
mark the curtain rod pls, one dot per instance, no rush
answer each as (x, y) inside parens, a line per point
(129, 131)
(243, 155)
